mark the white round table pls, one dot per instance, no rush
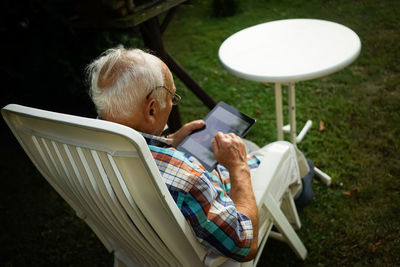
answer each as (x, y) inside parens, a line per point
(289, 51)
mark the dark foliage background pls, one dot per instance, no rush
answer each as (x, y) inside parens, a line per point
(42, 65)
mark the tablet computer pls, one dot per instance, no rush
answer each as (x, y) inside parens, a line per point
(222, 118)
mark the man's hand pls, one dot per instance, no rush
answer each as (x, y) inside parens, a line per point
(229, 150)
(184, 131)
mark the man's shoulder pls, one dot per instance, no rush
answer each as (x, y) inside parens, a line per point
(179, 170)
(169, 153)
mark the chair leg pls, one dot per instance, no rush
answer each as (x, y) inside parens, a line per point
(284, 227)
(288, 208)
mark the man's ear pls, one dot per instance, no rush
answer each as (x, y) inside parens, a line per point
(149, 111)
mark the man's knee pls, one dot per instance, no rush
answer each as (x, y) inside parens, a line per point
(304, 197)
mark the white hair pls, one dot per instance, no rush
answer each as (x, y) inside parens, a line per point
(120, 79)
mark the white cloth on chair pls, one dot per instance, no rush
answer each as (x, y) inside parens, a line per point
(293, 168)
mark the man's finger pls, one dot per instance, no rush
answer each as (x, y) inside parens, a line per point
(194, 125)
(214, 145)
(197, 124)
(218, 136)
(232, 135)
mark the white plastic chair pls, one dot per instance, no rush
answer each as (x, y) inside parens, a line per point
(107, 174)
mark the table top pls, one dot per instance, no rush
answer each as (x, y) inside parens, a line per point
(289, 50)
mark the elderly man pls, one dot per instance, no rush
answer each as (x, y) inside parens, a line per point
(136, 89)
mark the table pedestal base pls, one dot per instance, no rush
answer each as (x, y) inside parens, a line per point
(291, 127)
(303, 132)
(323, 176)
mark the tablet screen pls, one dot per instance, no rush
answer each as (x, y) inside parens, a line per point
(223, 118)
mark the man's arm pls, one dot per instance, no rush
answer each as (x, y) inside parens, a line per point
(230, 152)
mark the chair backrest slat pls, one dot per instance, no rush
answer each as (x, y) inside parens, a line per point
(107, 216)
(129, 206)
(86, 197)
(120, 215)
(41, 148)
(69, 192)
(43, 164)
(88, 171)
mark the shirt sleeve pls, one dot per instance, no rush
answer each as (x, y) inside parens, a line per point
(215, 219)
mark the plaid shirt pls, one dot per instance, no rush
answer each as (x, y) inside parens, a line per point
(203, 198)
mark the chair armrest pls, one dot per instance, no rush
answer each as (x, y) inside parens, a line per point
(266, 176)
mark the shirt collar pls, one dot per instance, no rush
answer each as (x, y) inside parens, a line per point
(156, 140)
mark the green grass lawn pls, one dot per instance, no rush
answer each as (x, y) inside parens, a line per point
(354, 222)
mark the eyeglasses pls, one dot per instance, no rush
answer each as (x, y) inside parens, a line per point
(175, 98)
